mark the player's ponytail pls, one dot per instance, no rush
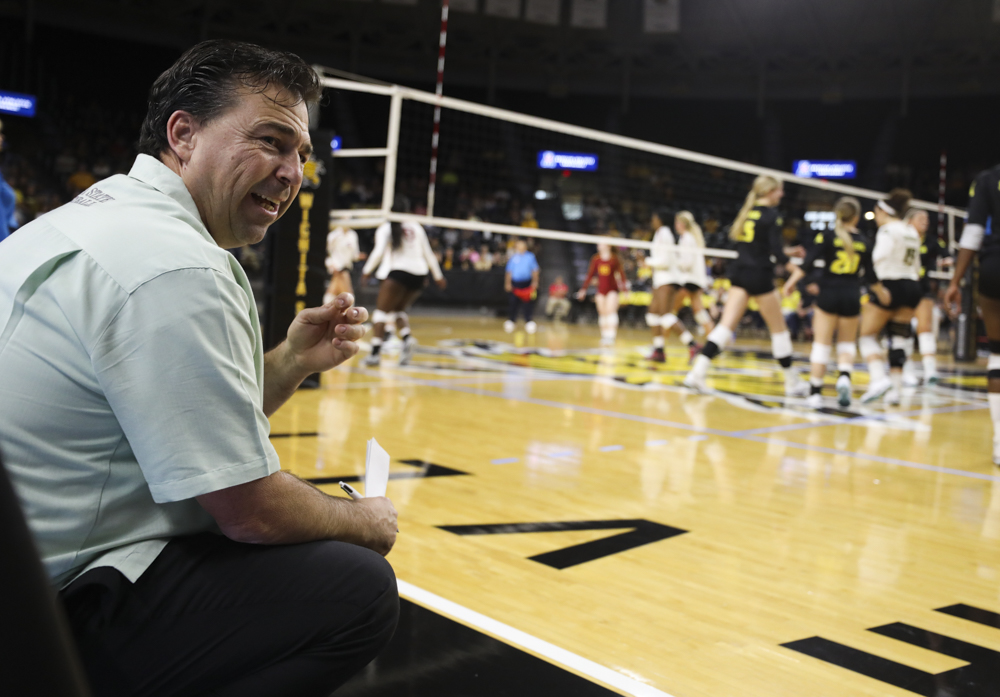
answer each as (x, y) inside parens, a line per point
(692, 227)
(762, 186)
(397, 235)
(847, 208)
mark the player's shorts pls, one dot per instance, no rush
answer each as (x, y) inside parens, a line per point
(754, 281)
(989, 276)
(693, 288)
(928, 288)
(905, 293)
(664, 278)
(408, 280)
(843, 301)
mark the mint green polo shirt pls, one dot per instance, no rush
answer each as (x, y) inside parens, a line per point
(131, 373)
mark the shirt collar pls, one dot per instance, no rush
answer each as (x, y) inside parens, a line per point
(151, 171)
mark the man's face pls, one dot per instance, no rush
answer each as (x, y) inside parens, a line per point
(245, 166)
(521, 247)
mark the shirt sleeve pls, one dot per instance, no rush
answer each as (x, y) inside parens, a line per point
(382, 236)
(177, 368)
(777, 239)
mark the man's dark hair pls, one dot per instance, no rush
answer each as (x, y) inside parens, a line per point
(205, 81)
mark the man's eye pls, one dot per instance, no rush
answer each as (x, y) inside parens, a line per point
(270, 140)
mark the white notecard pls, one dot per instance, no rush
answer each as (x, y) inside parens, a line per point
(376, 470)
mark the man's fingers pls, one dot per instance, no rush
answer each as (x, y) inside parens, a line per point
(349, 332)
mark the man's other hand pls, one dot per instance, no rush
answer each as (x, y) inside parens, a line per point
(321, 338)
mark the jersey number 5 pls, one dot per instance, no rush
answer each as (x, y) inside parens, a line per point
(843, 264)
(749, 229)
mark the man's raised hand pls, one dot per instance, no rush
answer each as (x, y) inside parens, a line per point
(321, 338)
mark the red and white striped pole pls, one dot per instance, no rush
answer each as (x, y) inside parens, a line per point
(942, 180)
(439, 91)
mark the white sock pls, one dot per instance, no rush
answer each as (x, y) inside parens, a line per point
(612, 325)
(686, 338)
(876, 370)
(791, 375)
(658, 342)
(896, 376)
(994, 399)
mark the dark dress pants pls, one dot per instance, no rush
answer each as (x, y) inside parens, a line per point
(217, 617)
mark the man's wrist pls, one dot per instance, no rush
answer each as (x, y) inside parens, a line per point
(286, 361)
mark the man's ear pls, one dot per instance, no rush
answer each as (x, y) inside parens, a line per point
(182, 129)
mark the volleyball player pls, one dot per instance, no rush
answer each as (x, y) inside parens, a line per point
(662, 259)
(759, 245)
(342, 250)
(842, 257)
(607, 268)
(980, 236)
(931, 250)
(403, 258)
(693, 276)
(895, 294)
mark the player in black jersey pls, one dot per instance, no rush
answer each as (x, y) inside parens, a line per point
(981, 235)
(841, 256)
(760, 246)
(932, 251)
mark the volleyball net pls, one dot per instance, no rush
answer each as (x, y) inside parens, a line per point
(499, 168)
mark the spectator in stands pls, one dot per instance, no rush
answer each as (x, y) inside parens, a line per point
(7, 200)
(80, 180)
(521, 282)
(557, 306)
(134, 397)
(528, 218)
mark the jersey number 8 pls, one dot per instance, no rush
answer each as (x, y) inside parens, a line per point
(911, 254)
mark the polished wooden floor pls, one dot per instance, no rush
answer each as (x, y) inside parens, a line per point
(786, 524)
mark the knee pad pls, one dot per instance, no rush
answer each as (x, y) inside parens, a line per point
(820, 353)
(396, 316)
(781, 345)
(900, 329)
(653, 320)
(847, 348)
(899, 342)
(380, 317)
(869, 346)
(668, 320)
(701, 317)
(720, 336)
(927, 343)
(897, 357)
(613, 320)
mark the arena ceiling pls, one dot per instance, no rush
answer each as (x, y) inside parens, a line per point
(745, 49)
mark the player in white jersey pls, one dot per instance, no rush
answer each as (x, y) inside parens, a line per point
(401, 260)
(342, 250)
(666, 281)
(693, 275)
(895, 294)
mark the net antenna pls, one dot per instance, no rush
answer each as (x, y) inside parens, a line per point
(438, 91)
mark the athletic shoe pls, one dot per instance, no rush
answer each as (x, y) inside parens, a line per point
(844, 391)
(814, 401)
(406, 353)
(373, 360)
(657, 355)
(531, 327)
(876, 390)
(892, 397)
(933, 379)
(695, 382)
(796, 387)
(508, 327)
(693, 350)
(910, 380)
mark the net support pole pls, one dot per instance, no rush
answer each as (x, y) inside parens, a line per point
(438, 91)
(392, 150)
(942, 181)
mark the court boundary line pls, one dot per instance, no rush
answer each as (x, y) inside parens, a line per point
(512, 636)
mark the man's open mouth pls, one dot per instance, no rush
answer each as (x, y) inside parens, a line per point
(264, 202)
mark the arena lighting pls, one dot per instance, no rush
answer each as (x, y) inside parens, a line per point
(825, 169)
(869, 215)
(17, 104)
(579, 161)
(540, 195)
(336, 143)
